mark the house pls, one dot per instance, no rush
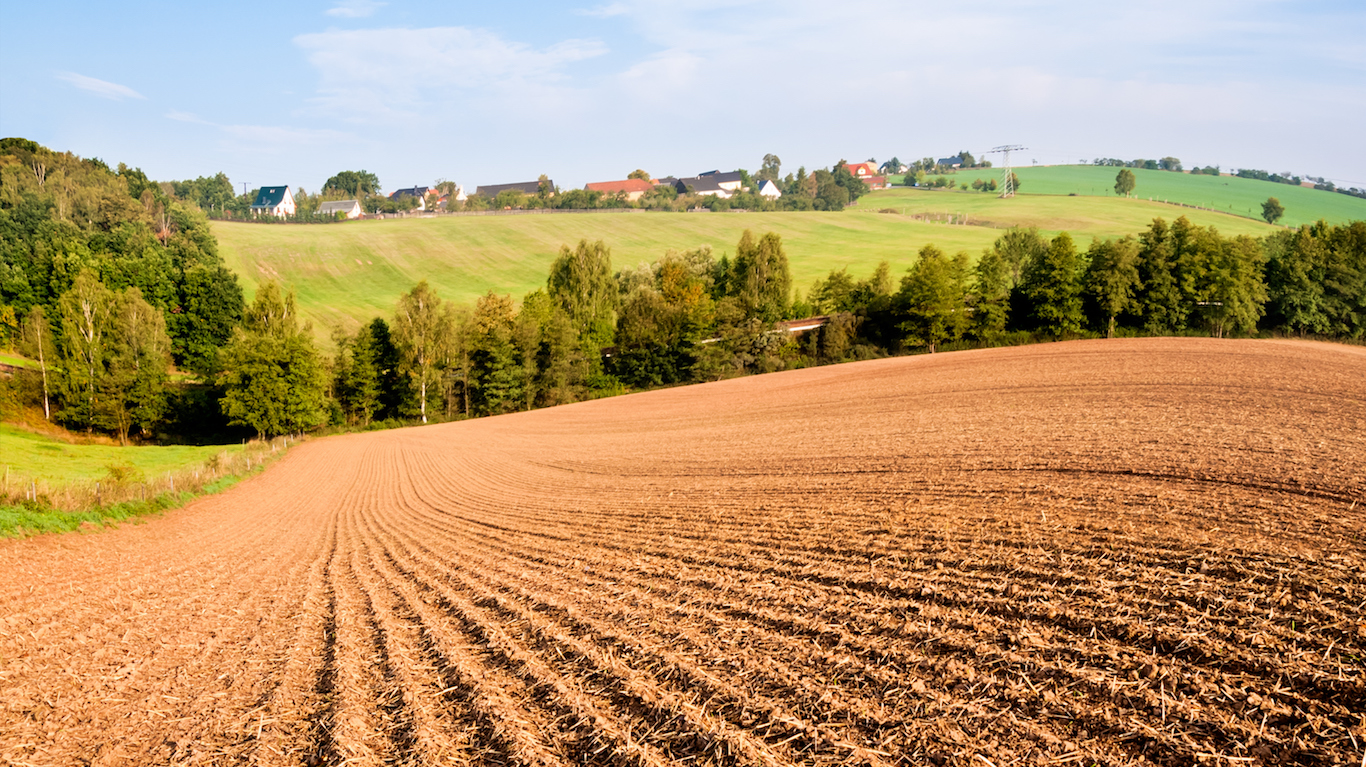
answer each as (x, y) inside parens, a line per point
(769, 189)
(347, 208)
(861, 170)
(420, 192)
(867, 173)
(888, 168)
(526, 187)
(950, 162)
(712, 183)
(275, 201)
(729, 181)
(633, 188)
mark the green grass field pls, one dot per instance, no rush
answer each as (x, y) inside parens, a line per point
(1238, 196)
(345, 274)
(47, 460)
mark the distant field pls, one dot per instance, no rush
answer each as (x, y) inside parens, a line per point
(347, 273)
(33, 456)
(1238, 196)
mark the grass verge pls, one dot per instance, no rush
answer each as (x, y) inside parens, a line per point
(30, 507)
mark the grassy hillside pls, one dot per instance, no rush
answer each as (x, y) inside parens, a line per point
(34, 456)
(1238, 196)
(347, 273)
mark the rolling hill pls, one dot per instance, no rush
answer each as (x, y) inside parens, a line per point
(348, 273)
(1236, 196)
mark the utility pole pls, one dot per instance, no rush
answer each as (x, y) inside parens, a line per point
(1007, 182)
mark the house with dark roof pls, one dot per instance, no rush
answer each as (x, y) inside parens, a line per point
(526, 187)
(721, 185)
(420, 192)
(346, 208)
(950, 162)
(633, 188)
(769, 189)
(275, 201)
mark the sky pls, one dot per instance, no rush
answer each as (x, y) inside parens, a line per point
(483, 93)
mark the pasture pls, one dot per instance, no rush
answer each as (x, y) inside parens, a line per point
(1236, 196)
(346, 274)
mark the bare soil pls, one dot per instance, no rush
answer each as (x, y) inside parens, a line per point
(1103, 552)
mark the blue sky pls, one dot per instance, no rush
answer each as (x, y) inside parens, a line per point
(480, 93)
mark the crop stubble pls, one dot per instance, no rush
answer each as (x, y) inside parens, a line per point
(1094, 552)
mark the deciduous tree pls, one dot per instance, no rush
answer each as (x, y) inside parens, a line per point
(1112, 277)
(1272, 210)
(1052, 285)
(421, 330)
(932, 299)
(1125, 182)
(273, 378)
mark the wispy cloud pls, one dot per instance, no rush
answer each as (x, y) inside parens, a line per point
(186, 117)
(101, 88)
(604, 11)
(355, 9)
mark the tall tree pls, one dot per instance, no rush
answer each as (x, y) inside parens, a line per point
(762, 277)
(85, 314)
(497, 368)
(1231, 289)
(1272, 210)
(273, 377)
(990, 294)
(35, 342)
(137, 361)
(581, 283)
(771, 169)
(1112, 277)
(353, 183)
(1052, 285)
(357, 376)
(1295, 277)
(1160, 301)
(1017, 249)
(1125, 182)
(421, 330)
(932, 299)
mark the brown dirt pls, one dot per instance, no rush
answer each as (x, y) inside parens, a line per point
(1103, 552)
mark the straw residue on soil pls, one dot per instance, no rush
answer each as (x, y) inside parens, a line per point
(1102, 552)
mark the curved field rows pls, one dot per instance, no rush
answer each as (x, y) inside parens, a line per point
(1107, 552)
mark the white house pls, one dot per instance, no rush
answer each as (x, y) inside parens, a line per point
(769, 189)
(274, 201)
(348, 208)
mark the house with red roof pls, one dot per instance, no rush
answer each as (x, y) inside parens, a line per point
(867, 173)
(633, 188)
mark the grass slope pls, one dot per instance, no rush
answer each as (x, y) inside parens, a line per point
(1237, 196)
(348, 273)
(34, 456)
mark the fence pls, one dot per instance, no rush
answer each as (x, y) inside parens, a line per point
(126, 483)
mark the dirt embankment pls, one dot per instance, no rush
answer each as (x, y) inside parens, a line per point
(1096, 552)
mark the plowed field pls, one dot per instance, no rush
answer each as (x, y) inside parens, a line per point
(1104, 552)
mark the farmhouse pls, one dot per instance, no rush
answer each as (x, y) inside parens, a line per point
(525, 187)
(950, 162)
(867, 173)
(275, 201)
(420, 192)
(769, 189)
(713, 183)
(633, 188)
(346, 208)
